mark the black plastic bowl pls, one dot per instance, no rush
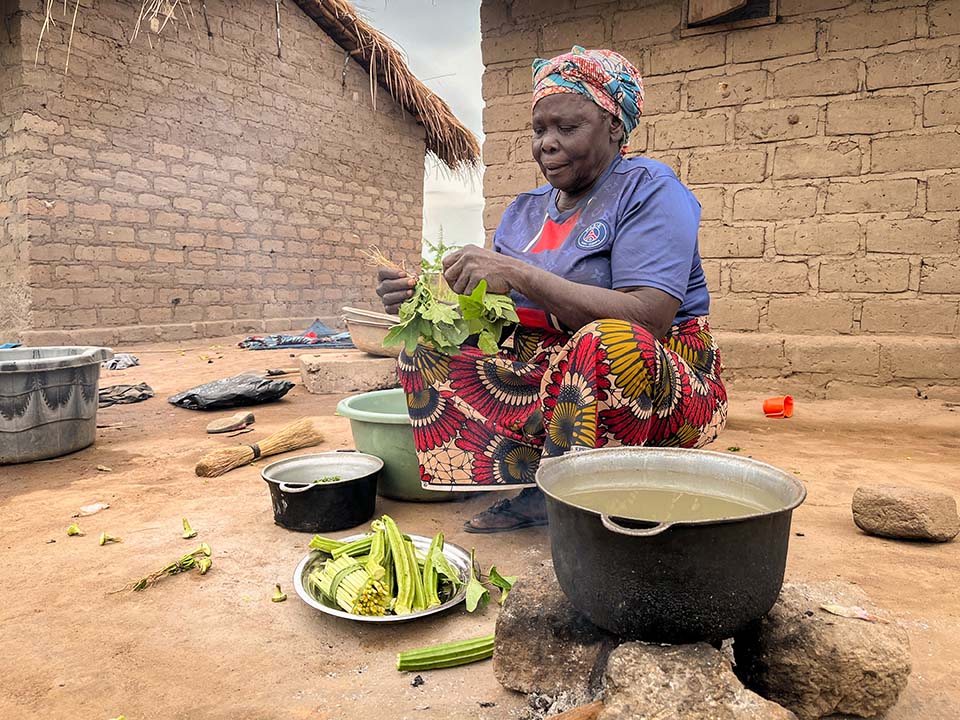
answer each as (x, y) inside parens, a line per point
(300, 503)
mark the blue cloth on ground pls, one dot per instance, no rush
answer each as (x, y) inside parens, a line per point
(317, 335)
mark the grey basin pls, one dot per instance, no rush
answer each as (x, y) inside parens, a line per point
(48, 401)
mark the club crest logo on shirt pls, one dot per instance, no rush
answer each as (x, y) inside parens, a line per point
(594, 236)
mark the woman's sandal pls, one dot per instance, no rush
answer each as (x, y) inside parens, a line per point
(501, 509)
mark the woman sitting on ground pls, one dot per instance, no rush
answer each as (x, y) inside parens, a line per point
(613, 345)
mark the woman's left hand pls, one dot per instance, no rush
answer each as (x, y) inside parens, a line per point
(464, 269)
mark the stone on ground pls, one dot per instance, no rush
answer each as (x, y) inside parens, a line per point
(818, 663)
(693, 682)
(905, 513)
(544, 645)
(347, 371)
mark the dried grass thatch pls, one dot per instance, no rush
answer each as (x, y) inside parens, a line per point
(447, 138)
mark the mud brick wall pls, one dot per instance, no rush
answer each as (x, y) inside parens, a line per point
(14, 256)
(824, 150)
(203, 186)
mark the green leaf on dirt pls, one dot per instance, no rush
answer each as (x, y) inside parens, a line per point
(505, 583)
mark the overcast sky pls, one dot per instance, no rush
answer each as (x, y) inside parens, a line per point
(441, 39)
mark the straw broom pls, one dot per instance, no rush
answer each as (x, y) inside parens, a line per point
(300, 434)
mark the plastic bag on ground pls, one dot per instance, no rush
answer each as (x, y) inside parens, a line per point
(230, 392)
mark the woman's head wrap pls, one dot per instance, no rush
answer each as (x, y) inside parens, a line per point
(605, 77)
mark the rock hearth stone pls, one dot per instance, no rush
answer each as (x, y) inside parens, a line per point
(544, 645)
(693, 682)
(905, 513)
(817, 663)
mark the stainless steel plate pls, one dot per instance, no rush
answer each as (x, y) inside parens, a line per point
(458, 557)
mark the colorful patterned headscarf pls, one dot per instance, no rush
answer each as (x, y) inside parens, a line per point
(605, 77)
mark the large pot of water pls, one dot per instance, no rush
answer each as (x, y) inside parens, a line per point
(668, 545)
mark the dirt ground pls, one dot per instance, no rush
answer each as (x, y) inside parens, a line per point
(216, 646)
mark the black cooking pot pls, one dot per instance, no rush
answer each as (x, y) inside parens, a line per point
(669, 582)
(300, 503)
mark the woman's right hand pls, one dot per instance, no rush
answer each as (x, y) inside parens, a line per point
(394, 287)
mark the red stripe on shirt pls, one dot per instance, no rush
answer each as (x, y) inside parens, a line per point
(554, 234)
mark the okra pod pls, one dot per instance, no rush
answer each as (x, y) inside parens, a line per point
(327, 545)
(430, 577)
(404, 570)
(460, 652)
(419, 595)
(357, 547)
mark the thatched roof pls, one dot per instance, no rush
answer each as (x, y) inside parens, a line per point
(446, 137)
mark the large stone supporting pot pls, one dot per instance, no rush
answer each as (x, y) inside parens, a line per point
(544, 645)
(693, 682)
(817, 663)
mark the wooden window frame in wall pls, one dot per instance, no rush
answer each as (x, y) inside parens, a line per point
(769, 19)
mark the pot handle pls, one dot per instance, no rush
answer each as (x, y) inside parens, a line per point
(612, 526)
(294, 488)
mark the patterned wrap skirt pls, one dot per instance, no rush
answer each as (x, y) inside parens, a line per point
(482, 422)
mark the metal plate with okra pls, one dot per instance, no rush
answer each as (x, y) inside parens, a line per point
(458, 557)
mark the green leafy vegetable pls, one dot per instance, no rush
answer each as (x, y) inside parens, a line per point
(446, 327)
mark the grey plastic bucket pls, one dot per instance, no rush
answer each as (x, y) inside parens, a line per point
(48, 401)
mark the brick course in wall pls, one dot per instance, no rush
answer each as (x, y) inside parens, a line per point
(824, 149)
(201, 186)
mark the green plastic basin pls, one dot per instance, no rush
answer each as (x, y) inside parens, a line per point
(381, 427)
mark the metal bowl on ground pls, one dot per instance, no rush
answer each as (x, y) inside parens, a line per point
(458, 557)
(368, 329)
(671, 582)
(301, 502)
(368, 335)
(353, 313)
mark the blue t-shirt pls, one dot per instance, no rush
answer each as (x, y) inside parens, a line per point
(636, 228)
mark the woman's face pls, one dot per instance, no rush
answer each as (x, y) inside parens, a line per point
(574, 140)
